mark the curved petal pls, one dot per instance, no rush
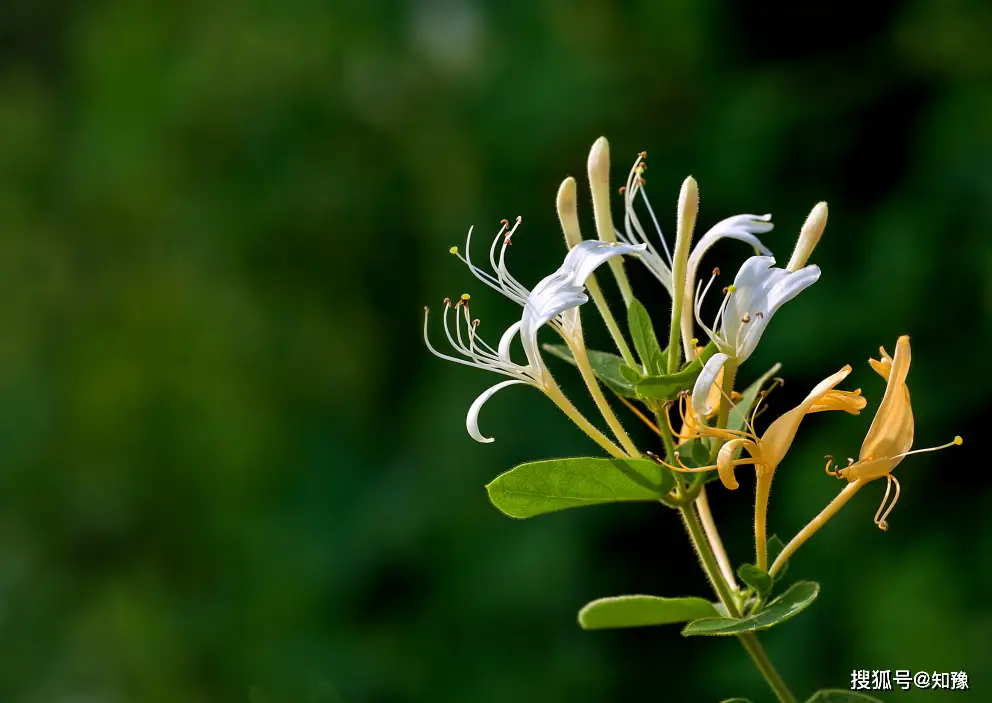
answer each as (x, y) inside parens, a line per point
(740, 227)
(503, 350)
(472, 419)
(704, 383)
(777, 439)
(760, 291)
(891, 432)
(585, 257)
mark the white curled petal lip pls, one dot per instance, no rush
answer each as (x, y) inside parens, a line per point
(705, 381)
(784, 290)
(472, 419)
(740, 227)
(585, 257)
(503, 350)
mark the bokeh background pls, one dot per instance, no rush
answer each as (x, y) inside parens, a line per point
(227, 460)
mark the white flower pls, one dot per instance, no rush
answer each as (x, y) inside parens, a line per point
(704, 382)
(553, 301)
(759, 290)
(740, 227)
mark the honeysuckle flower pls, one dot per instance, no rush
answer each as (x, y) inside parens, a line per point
(887, 443)
(890, 436)
(740, 227)
(706, 391)
(758, 291)
(553, 301)
(766, 452)
(707, 395)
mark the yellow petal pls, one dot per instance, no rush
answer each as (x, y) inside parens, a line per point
(777, 439)
(849, 401)
(891, 432)
(868, 470)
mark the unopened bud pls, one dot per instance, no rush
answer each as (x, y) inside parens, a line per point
(809, 235)
(568, 213)
(599, 183)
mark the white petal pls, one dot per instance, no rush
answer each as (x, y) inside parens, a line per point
(705, 380)
(472, 419)
(506, 340)
(585, 257)
(741, 227)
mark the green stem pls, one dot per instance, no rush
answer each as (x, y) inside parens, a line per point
(748, 639)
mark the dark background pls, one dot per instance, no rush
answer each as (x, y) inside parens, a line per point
(226, 458)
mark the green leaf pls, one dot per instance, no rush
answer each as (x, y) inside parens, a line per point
(639, 611)
(556, 484)
(834, 695)
(799, 597)
(742, 411)
(758, 579)
(629, 374)
(667, 387)
(775, 547)
(606, 366)
(645, 339)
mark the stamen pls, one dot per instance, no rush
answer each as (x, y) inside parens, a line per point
(466, 297)
(746, 318)
(776, 382)
(956, 442)
(453, 250)
(880, 517)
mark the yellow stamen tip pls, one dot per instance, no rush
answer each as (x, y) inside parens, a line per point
(453, 250)
(731, 288)
(958, 441)
(466, 296)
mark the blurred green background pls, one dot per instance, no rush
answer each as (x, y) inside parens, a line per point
(226, 458)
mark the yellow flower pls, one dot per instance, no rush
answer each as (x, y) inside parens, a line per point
(890, 436)
(766, 452)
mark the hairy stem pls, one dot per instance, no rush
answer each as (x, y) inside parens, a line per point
(815, 524)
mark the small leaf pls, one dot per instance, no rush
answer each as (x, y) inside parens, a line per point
(556, 484)
(799, 597)
(629, 374)
(667, 387)
(605, 365)
(758, 579)
(775, 547)
(639, 611)
(645, 340)
(840, 696)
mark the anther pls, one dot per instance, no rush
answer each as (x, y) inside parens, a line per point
(475, 322)
(466, 297)
(505, 222)
(447, 301)
(643, 154)
(759, 315)
(453, 250)
(622, 189)
(746, 318)
(426, 309)
(958, 440)
(716, 270)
